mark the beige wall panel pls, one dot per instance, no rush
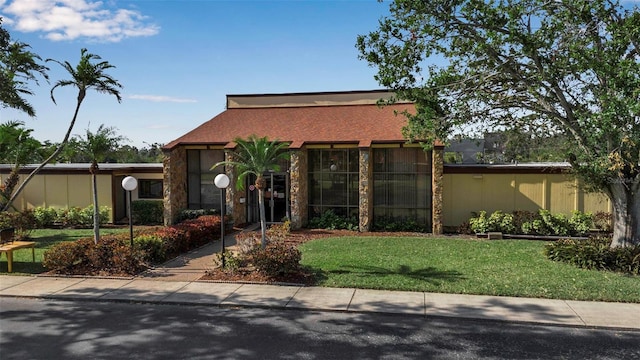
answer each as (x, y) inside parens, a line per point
(594, 202)
(529, 195)
(56, 189)
(498, 193)
(79, 190)
(33, 194)
(562, 194)
(462, 195)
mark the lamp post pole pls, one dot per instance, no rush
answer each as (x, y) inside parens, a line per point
(129, 184)
(222, 181)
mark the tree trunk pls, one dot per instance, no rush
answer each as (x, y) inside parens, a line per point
(263, 219)
(260, 185)
(47, 160)
(625, 198)
(96, 210)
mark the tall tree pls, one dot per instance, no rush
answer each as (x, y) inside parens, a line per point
(256, 156)
(17, 147)
(88, 74)
(18, 67)
(568, 66)
(98, 146)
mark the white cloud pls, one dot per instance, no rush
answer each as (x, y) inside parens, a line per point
(161, 98)
(73, 19)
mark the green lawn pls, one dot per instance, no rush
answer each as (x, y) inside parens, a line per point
(45, 238)
(502, 267)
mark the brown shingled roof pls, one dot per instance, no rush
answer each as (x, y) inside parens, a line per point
(359, 124)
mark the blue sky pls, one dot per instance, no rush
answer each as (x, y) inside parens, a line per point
(177, 59)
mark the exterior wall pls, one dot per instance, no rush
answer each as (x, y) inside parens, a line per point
(299, 193)
(464, 194)
(63, 191)
(366, 192)
(175, 184)
(437, 189)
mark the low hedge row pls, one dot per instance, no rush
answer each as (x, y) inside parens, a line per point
(113, 255)
(541, 223)
(595, 253)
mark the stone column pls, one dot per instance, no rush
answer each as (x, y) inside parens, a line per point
(174, 168)
(364, 187)
(235, 208)
(298, 192)
(437, 179)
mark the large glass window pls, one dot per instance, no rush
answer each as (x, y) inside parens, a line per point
(150, 188)
(402, 185)
(202, 192)
(333, 182)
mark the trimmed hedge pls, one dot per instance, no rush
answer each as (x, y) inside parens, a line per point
(147, 212)
(595, 253)
(113, 255)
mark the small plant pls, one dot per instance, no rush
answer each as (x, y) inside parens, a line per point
(331, 221)
(602, 221)
(279, 231)
(277, 259)
(45, 216)
(479, 224)
(189, 214)
(152, 246)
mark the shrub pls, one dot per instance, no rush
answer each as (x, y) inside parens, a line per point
(45, 216)
(581, 223)
(595, 253)
(602, 221)
(331, 221)
(152, 247)
(390, 224)
(110, 256)
(23, 222)
(147, 212)
(277, 259)
(479, 223)
(194, 214)
(279, 231)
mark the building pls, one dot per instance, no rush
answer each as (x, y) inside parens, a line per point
(347, 154)
(69, 185)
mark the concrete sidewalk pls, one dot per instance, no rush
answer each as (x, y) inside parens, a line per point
(148, 290)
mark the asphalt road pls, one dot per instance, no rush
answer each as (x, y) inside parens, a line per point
(39, 329)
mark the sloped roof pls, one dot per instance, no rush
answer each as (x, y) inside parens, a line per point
(359, 124)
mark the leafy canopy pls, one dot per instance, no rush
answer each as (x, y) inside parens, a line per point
(563, 66)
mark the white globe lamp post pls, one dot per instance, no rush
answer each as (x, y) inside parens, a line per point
(222, 182)
(129, 183)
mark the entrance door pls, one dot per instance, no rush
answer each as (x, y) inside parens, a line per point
(276, 198)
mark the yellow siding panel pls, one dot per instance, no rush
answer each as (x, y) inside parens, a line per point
(498, 192)
(33, 194)
(529, 195)
(595, 202)
(562, 193)
(56, 189)
(79, 190)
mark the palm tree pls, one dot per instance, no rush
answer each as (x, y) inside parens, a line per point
(98, 146)
(18, 66)
(86, 75)
(256, 156)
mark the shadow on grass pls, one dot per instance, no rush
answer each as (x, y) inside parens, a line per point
(429, 274)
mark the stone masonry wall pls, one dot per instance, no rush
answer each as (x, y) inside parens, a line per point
(366, 194)
(299, 193)
(175, 184)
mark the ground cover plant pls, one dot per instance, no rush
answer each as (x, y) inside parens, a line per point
(457, 265)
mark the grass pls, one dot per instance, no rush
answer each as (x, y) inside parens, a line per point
(45, 239)
(503, 268)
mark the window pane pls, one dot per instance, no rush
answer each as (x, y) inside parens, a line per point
(150, 189)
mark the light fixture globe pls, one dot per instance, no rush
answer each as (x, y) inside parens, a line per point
(129, 183)
(221, 181)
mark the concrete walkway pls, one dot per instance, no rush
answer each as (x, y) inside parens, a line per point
(176, 283)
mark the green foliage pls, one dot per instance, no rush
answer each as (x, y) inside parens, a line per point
(147, 212)
(391, 224)
(331, 221)
(73, 216)
(566, 68)
(543, 223)
(595, 253)
(23, 222)
(194, 214)
(45, 216)
(152, 246)
(277, 259)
